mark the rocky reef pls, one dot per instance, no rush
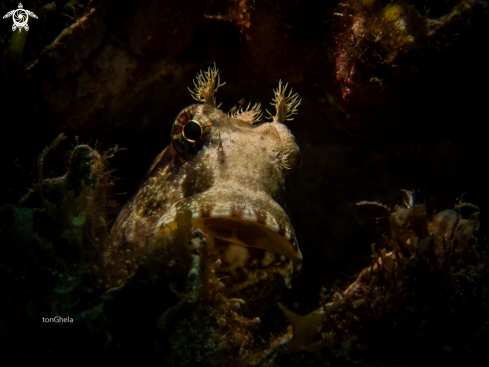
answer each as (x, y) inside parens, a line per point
(428, 286)
(391, 100)
(428, 294)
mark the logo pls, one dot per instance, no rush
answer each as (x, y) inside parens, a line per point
(20, 17)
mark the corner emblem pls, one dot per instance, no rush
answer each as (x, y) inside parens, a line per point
(20, 17)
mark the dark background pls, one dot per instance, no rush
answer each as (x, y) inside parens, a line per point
(434, 143)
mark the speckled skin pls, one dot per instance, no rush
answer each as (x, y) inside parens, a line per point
(233, 181)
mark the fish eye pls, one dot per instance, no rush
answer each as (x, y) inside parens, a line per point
(189, 133)
(192, 131)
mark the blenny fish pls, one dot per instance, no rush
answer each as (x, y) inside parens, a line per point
(229, 171)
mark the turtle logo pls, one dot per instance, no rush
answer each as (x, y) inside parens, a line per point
(20, 17)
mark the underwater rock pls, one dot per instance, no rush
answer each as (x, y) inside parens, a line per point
(209, 219)
(380, 62)
(237, 12)
(362, 62)
(95, 71)
(74, 45)
(63, 228)
(167, 26)
(270, 39)
(429, 288)
(427, 293)
(338, 170)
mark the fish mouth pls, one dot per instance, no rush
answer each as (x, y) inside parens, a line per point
(247, 224)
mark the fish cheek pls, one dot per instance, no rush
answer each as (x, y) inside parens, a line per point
(197, 180)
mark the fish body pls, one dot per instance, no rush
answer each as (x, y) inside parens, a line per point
(229, 171)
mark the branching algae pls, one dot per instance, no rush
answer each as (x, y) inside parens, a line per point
(427, 294)
(58, 245)
(208, 228)
(209, 219)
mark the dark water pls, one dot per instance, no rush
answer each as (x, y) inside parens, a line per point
(122, 77)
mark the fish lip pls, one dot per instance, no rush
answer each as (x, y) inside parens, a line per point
(261, 212)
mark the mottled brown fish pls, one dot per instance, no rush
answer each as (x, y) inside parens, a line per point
(229, 171)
